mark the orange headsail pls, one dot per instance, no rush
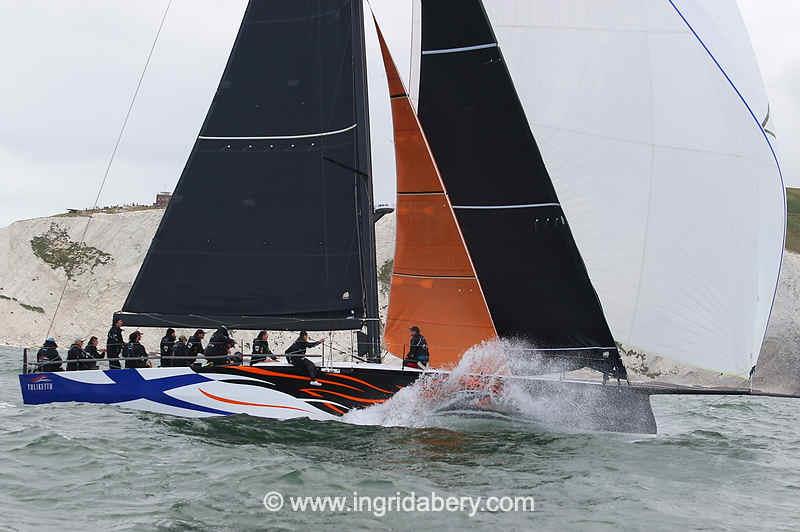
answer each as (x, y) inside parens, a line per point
(433, 284)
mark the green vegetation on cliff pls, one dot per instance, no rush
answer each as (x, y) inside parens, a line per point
(58, 251)
(32, 308)
(385, 275)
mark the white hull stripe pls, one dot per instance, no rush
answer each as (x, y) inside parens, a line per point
(285, 137)
(456, 50)
(493, 207)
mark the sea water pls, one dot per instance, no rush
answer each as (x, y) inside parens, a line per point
(719, 463)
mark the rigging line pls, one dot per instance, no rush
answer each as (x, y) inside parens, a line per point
(113, 154)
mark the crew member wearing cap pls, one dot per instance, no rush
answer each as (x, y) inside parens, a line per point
(48, 357)
(77, 353)
(135, 354)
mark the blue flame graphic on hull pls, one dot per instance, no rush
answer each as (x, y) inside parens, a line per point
(127, 385)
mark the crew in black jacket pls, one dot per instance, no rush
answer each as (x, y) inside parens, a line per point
(296, 356)
(179, 350)
(167, 344)
(92, 351)
(135, 354)
(219, 347)
(49, 354)
(78, 359)
(115, 344)
(417, 350)
(195, 345)
(261, 349)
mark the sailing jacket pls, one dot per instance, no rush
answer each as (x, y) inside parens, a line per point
(298, 348)
(114, 346)
(49, 353)
(260, 351)
(167, 344)
(76, 353)
(217, 351)
(195, 345)
(180, 349)
(92, 351)
(418, 350)
(136, 355)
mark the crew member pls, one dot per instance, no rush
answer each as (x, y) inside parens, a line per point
(195, 345)
(418, 354)
(296, 356)
(76, 354)
(180, 352)
(167, 344)
(49, 355)
(261, 349)
(115, 344)
(219, 347)
(135, 354)
(92, 351)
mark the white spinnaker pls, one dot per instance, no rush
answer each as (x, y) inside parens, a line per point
(384, 170)
(669, 183)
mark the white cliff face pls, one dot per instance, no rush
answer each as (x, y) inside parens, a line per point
(91, 296)
(778, 368)
(30, 287)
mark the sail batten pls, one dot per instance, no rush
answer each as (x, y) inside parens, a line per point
(284, 137)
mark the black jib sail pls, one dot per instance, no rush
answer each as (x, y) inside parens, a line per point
(270, 224)
(532, 275)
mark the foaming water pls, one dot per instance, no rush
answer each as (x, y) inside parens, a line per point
(717, 463)
(474, 380)
(485, 384)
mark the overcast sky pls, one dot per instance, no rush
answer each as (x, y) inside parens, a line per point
(70, 66)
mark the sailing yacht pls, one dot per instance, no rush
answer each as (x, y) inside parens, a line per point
(558, 170)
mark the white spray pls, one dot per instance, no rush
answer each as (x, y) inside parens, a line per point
(479, 382)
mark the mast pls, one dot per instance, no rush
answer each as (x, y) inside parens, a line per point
(369, 267)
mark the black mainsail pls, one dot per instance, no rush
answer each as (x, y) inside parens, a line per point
(531, 272)
(270, 225)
